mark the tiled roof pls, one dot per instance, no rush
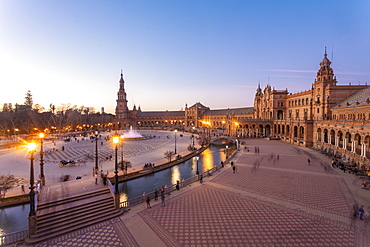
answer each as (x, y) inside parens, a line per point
(358, 99)
(236, 111)
(161, 113)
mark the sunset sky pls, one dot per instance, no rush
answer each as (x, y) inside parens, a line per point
(176, 52)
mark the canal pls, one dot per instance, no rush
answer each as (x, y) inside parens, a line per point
(15, 218)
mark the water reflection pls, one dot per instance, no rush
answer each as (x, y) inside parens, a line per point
(207, 160)
(14, 218)
(176, 175)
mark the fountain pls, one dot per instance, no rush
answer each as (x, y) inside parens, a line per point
(132, 135)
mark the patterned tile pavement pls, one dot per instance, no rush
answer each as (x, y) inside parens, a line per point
(272, 200)
(237, 220)
(109, 233)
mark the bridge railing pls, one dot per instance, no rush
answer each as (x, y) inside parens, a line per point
(13, 237)
(142, 199)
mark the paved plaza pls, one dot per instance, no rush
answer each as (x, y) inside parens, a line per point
(275, 198)
(82, 149)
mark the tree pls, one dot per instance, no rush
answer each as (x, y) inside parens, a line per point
(28, 101)
(8, 107)
(191, 148)
(52, 108)
(168, 154)
(124, 164)
(6, 183)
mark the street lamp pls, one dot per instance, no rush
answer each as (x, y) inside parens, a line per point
(32, 149)
(175, 141)
(96, 152)
(32, 217)
(197, 165)
(42, 176)
(116, 192)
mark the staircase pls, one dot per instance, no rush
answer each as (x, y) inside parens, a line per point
(69, 213)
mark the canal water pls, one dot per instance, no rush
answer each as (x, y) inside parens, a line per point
(15, 218)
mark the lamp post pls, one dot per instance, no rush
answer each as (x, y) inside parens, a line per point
(96, 152)
(32, 214)
(197, 165)
(175, 142)
(116, 192)
(42, 176)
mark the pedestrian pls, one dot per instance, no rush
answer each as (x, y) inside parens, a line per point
(308, 161)
(222, 164)
(23, 191)
(162, 201)
(361, 212)
(96, 178)
(355, 210)
(201, 178)
(177, 185)
(363, 185)
(234, 169)
(156, 195)
(148, 202)
(232, 163)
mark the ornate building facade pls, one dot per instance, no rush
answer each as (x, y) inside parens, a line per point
(327, 116)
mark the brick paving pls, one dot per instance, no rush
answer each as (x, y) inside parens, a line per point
(276, 201)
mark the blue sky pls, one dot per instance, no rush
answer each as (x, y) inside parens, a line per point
(175, 52)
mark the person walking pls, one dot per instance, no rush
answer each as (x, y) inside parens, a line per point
(148, 202)
(361, 212)
(201, 178)
(234, 168)
(309, 162)
(156, 195)
(96, 178)
(355, 210)
(162, 201)
(363, 185)
(177, 185)
(23, 191)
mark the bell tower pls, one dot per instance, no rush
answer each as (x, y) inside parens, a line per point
(324, 82)
(258, 102)
(122, 112)
(325, 75)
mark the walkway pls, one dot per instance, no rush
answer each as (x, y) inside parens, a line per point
(275, 198)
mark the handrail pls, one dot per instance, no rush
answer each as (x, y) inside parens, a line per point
(151, 195)
(13, 237)
(110, 186)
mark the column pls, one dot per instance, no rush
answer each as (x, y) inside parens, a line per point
(363, 149)
(329, 139)
(345, 143)
(336, 141)
(353, 146)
